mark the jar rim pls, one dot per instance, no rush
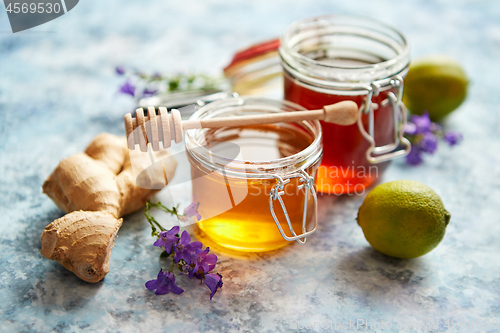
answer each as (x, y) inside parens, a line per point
(358, 24)
(246, 168)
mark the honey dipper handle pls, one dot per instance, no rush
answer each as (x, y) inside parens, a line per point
(165, 127)
(342, 113)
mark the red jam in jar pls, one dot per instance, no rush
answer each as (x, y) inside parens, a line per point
(334, 58)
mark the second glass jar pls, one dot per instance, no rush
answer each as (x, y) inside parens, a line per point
(328, 59)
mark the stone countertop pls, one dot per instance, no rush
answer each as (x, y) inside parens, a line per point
(58, 90)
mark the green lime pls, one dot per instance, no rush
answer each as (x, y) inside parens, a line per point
(403, 219)
(437, 84)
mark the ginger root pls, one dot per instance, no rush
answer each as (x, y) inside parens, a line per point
(100, 184)
(82, 242)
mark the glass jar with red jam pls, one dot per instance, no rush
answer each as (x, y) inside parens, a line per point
(328, 59)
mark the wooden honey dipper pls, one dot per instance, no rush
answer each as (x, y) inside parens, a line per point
(167, 127)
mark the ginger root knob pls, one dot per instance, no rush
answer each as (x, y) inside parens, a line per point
(82, 242)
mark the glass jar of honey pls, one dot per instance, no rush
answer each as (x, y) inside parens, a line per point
(255, 184)
(328, 59)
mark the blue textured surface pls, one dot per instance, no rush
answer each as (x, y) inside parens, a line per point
(57, 91)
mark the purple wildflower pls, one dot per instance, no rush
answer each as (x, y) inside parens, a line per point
(428, 143)
(168, 238)
(149, 92)
(410, 128)
(191, 260)
(120, 70)
(186, 270)
(203, 261)
(424, 136)
(128, 88)
(185, 248)
(453, 138)
(192, 209)
(164, 283)
(213, 282)
(415, 156)
(422, 123)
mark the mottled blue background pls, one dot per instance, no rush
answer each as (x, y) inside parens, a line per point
(58, 90)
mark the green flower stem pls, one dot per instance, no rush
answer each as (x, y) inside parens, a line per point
(174, 211)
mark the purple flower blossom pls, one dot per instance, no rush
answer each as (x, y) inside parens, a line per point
(422, 123)
(190, 258)
(428, 143)
(186, 270)
(213, 282)
(192, 209)
(128, 88)
(453, 138)
(149, 92)
(164, 283)
(410, 128)
(203, 261)
(424, 136)
(185, 248)
(415, 156)
(120, 70)
(168, 239)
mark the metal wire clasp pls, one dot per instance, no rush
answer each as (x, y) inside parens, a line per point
(387, 152)
(276, 193)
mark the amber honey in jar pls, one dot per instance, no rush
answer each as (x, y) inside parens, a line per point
(255, 184)
(328, 59)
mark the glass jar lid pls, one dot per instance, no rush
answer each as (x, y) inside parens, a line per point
(344, 52)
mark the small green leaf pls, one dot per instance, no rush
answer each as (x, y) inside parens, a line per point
(173, 84)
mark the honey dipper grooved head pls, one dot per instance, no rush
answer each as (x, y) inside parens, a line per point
(152, 128)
